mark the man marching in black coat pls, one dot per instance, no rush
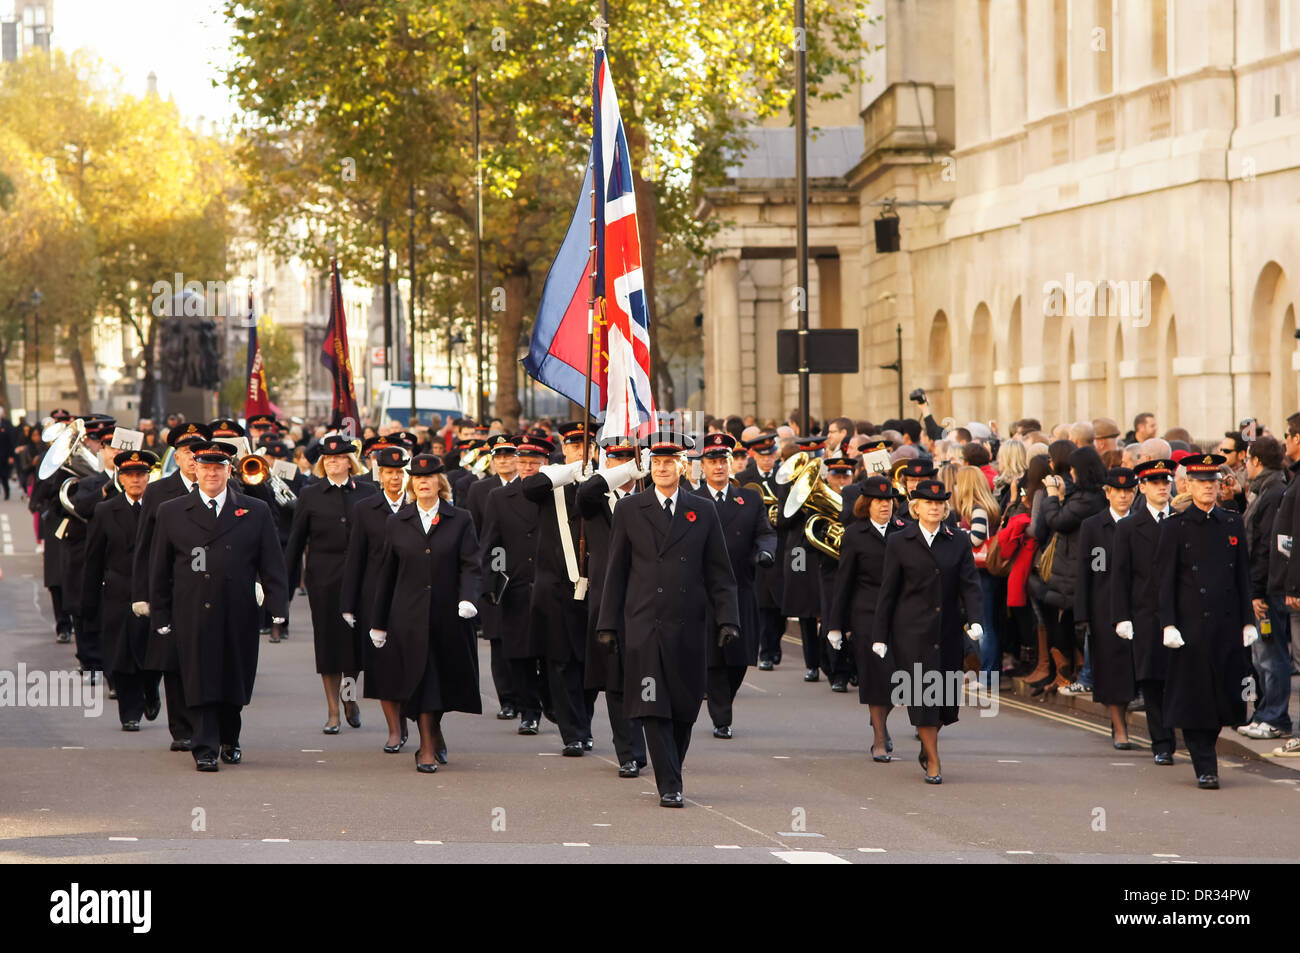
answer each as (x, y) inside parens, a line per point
(106, 598)
(668, 567)
(1208, 619)
(209, 551)
(751, 542)
(769, 581)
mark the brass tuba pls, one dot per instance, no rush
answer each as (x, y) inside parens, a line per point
(896, 478)
(769, 500)
(254, 470)
(808, 491)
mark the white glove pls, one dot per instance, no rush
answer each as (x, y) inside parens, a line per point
(378, 638)
(165, 630)
(615, 477)
(1249, 635)
(278, 620)
(350, 619)
(879, 648)
(466, 610)
(836, 638)
(1173, 638)
(645, 460)
(140, 608)
(561, 474)
(258, 594)
(1124, 629)
(975, 631)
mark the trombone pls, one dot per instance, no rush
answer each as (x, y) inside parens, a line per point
(253, 470)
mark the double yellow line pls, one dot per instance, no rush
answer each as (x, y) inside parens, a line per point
(1065, 719)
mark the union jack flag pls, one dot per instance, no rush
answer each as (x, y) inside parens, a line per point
(620, 320)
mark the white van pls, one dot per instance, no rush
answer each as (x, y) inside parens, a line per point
(393, 402)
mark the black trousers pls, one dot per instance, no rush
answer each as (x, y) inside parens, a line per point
(724, 683)
(215, 725)
(527, 680)
(134, 690)
(836, 663)
(1162, 736)
(572, 705)
(501, 675)
(89, 652)
(810, 635)
(629, 735)
(180, 720)
(1200, 745)
(667, 741)
(771, 628)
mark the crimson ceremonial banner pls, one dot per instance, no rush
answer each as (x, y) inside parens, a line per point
(256, 398)
(338, 360)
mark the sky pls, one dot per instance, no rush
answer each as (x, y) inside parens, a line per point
(183, 41)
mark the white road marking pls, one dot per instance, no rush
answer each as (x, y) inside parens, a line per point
(1121, 764)
(428, 842)
(872, 850)
(1005, 761)
(726, 847)
(5, 536)
(275, 840)
(1020, 852)
(312, 750)
(781, 757)
(73, 748)
(576, 844)
(1166, 855)
(798, 834)
(548, 754)
(808, 857)
(602, 825)
(124, 838)
(762, 691)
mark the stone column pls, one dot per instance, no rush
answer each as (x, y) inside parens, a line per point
(722, 337)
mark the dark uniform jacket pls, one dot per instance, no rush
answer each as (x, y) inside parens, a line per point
(201, 576)
(1135, 589)
(856, 591)
(1112, 657)
(768, 582)
(603, 668)
(661, 580)
(1205, 592)
(361, 564)
(106, 599)
(507, 551)
(747, 533)
(421, 582)
(560, 619)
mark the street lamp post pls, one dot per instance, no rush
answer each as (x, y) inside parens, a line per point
(37, 297)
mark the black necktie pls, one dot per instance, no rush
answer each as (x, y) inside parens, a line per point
(668, 510)
(722, 497)
(212, 505)
(1162, 517)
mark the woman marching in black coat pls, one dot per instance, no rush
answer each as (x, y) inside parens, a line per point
(422, 603)
(857, 589)
(929, 588)
(320, 527)
(365, 557)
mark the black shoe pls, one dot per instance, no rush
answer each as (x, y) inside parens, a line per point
(274, 636)
(671, 800)
(404, 735)
(882, 758)
(330, 730)
(232, 754)
(182, 744)
(853, 680)
(440, 755)
(527, 727)
(424, 768)
(811, 675)
(152, 708)
(573, 750)
(394, 749)
(588, 744)
(206, 764)
(934, 779)
(839, 685)
(628, 769)
(765, 665)
(1209, 782)
(1164, 760)
(352, 711)
(507, 713)
(722, 731)
(1123, 745)
(777, 659)
(130, 726)
(1137, 704)
(63, 637)
(889, 744)
(112, 694)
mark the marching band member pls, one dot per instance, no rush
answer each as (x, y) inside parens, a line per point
(508, 549)
(801, 581)
(320, 527)
(1113, 684)
(50, 514)
(751, 542)
(361, 565)
(928, 589)
(668, 566)
(110, 552)
(1207, 617)
(597, 497)
(840, 665)
(209, 550)
(99, 431)
(853, 607)
(423, 599)
(769, 580)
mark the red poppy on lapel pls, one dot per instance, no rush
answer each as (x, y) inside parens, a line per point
(740, 500)
(434, 521)
(690, 516)
(1232, 541)
(241, 511)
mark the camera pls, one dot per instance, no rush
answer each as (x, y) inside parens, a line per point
(917, 396)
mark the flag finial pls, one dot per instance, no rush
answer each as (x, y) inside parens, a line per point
(601, 26)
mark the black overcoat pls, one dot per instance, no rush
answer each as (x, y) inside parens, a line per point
(661, 580)
(201, 584)
(1205, 592)
(1113, 680)
(747, 532)
(106, 599)
(603, 668)
(800, 564)
(361, 565)
(768, 582)
(853, 605)
(421, 582)
(1135, 590)
(508, 548)
(560, 619)
(926, 595)
(321, 521)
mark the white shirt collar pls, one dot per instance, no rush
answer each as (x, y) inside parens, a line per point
(725, 491)
(663, 499)
(929, 537)
(332, 483)
(426, 516)
(188, 484)
(1116, 516)
(504, 481)
(881, 527)
(220, 498)
(394, 505)
(1155, 513)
